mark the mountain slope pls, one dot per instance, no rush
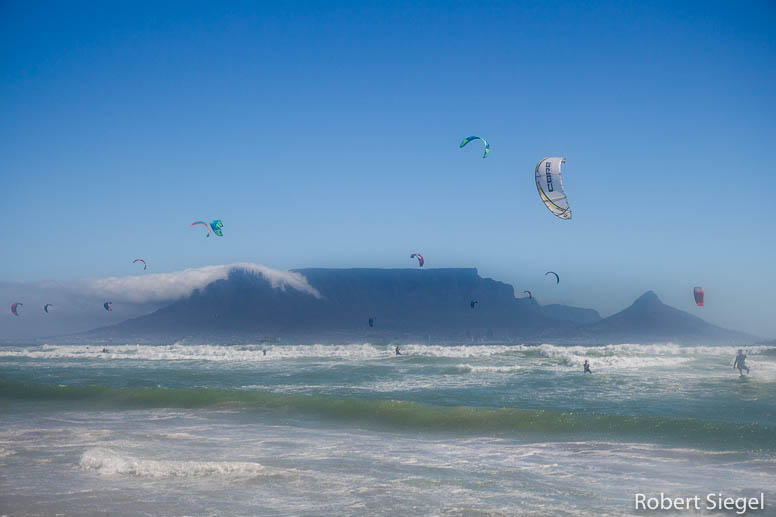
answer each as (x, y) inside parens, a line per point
(649, 320)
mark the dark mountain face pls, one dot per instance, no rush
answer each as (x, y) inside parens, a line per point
(416, 300)
(406, 303)
(401, 301)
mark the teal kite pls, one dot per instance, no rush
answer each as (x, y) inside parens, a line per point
(216, 227)
(470, 138)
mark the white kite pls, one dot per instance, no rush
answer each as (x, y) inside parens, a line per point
(549, 183)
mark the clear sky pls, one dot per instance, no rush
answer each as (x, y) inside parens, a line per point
(326, 134)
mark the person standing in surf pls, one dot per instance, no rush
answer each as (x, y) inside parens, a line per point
(587, 367)
(740, 363)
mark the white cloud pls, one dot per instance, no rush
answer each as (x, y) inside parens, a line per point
(78, 305)
(164, 287)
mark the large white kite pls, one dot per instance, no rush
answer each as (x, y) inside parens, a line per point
(549, 183)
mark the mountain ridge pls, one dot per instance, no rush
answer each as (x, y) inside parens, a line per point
(406, 304)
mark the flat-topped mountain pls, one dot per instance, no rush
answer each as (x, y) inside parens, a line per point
(400, 301)
(405, 304)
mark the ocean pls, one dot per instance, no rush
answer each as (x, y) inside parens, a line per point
(184, 429)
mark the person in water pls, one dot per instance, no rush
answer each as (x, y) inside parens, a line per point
(587, 367)
(397, 350)
(740, 362)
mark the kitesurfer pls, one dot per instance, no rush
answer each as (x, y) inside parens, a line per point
(740, 362)
(398, 352)
(587, 367)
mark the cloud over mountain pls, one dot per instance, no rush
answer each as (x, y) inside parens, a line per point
(162, 287)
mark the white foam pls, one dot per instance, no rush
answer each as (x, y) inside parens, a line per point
(108, 462)
(242, 353)
(459, 351)
(637, 356)
(662, 349)
(490, 369)
(611, 358)
(177, 436)
(616, 356)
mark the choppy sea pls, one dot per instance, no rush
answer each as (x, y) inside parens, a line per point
(353, 429)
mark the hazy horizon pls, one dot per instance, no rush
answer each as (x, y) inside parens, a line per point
(77, 305)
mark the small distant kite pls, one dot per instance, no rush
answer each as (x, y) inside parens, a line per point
(470, 138)
(45, 307)
(145, 266)
(15, 306)
(549, 183)
(371, 322)
(473, 303)
(529, 294)
(107, 306)
(698, 293)
(557, 278)
(419, 257)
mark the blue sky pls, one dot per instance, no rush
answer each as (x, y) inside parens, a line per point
(326, 134)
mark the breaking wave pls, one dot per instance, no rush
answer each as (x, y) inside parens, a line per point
(622, 355)
(108, 462)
